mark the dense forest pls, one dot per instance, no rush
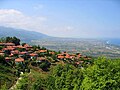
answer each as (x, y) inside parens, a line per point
(99, 73)
(103, 74)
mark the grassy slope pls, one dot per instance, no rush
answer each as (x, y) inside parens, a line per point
(6, 76)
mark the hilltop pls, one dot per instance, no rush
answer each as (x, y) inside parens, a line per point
(24, 35)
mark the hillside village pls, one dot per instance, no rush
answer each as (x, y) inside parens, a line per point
(27, 67)
(20, 53)
(24, 58)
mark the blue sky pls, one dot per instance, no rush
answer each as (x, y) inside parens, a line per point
(64, 18)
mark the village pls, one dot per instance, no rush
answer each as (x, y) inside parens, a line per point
(23, 56)
(25, 52)
(30, 66)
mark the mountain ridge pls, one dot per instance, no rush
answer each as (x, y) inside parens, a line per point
(23, 34)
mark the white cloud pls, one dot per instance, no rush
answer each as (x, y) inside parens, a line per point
(39, 6)
(69, 28)
(62, 31)
(16, 19)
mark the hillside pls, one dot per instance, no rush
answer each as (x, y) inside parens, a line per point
(24, 35)
(7, 75)
(26, 67)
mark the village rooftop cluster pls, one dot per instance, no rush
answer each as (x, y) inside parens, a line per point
(20, 53)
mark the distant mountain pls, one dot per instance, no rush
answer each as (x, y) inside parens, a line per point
(24, 35)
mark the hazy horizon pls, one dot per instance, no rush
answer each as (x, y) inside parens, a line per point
(63, 18)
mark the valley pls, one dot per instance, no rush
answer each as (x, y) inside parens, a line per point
(90, 47)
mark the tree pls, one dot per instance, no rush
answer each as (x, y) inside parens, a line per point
(50, 84)
(2, 60)
(2, 39)
(14, 40)
(38, 84)
(66, 78)
(103, 75)
(44, 65)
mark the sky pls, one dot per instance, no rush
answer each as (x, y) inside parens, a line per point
(63, 18)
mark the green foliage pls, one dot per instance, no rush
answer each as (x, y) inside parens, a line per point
(2, 60)
(14, 40)
(50, 84)
(39, 84)
(1, 47)
(23, 44)
(7, 77)
(23, 83)
(54, 57)
(65, 78)
(103, 75)
(3, 87)
(2, 39)
(44, 65)
(43, 48)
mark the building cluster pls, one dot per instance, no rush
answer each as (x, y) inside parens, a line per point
(20, 53)
(77, 58)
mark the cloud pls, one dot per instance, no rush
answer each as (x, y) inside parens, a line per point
(62, 31)
(16, 19)
(39, 6)
(69, 28)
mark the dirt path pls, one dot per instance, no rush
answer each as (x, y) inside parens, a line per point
(15, 85)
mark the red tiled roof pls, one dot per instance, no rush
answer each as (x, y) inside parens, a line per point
(7, 58)
(79, 62)
(60, 57)
(41, 58)
(67, 56)
(15, 52)
(79, 55)
(72, 56)
(1, 51)
(59, 54)
(51, 52)
(2, 54)
(33, 54)
(23, 52)
(19, 46)
(11, 55)
(19, 60)
(8, 48)
(42, 51)
(27, 46)
(7, 44)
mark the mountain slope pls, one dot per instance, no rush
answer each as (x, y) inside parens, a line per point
(24, 35)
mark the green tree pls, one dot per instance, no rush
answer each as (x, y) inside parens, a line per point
(2, 39)
(4, 87)
(14, 40)
(50, 84)
(67, 77)
(103, 75)
(44, 65)
(2, 60)
(39, 84)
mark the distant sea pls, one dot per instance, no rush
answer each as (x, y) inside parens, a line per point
(113, 41)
